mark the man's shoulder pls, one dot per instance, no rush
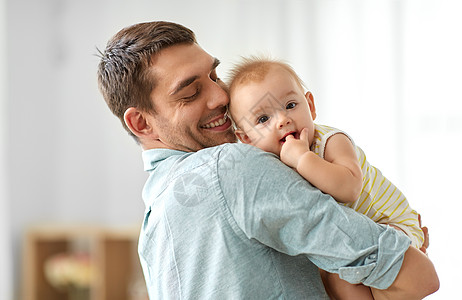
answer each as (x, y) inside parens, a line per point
(244, 160)
(227, 156)
(242, 152)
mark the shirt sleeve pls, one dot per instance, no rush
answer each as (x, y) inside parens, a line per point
(272, 204)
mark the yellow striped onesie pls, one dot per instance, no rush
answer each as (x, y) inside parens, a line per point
(380, 200)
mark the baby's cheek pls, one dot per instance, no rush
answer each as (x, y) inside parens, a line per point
(266, 146)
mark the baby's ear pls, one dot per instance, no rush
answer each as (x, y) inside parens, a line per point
(242, 136)
(310, 99)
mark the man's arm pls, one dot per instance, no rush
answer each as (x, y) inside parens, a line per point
(416, 279)
(274, 205)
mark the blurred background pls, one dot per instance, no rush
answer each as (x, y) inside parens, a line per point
(389, 72)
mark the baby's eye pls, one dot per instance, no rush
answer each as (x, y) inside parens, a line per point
(291, 105)
(262, 119)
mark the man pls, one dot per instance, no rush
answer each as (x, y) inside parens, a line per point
(215, 226)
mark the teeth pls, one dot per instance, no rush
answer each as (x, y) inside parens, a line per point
(216, 123)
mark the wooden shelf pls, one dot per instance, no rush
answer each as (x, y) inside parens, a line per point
(112, 252)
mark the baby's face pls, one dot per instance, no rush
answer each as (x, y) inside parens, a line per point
(267, 111)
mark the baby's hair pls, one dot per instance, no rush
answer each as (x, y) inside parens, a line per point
(255, 68)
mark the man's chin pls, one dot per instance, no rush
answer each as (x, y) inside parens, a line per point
(227, 136)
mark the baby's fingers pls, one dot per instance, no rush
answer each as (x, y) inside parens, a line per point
(289, 137)
(304, 135)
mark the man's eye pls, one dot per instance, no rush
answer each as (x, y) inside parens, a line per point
(262, 119)
(192, 97)
(291, 105)
(214, 76)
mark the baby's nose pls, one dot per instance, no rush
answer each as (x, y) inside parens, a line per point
(284, 121)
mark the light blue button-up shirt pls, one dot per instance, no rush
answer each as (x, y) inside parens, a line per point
(233, 222)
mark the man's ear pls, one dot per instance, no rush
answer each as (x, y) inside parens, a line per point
(310, 99)
(242, 136)
(137, 123)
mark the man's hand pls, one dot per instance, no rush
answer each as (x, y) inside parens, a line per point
(294, 148)
(426, 242)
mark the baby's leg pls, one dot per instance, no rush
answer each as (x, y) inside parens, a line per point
(339, 289)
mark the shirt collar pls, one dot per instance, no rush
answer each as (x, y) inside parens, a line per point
(152, 157)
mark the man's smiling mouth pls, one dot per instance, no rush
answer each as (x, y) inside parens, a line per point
(216, 123)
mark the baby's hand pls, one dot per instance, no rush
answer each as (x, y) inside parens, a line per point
(294, 148)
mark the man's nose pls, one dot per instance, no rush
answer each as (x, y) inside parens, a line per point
(217, 96)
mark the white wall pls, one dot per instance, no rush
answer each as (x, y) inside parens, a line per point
(70, 160)
(388, 72)
(6, 280)
(432, 114)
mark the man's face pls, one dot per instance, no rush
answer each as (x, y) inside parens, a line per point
(189, 100)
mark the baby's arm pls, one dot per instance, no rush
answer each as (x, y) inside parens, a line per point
(338, 175)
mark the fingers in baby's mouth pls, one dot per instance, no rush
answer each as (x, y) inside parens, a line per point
(294, 134)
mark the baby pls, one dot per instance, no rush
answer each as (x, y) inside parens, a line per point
(272, 111)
